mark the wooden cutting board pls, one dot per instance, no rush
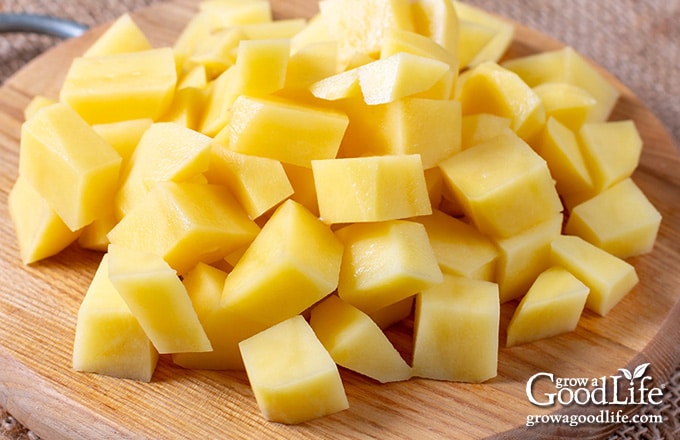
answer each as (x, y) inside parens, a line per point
(38, 306)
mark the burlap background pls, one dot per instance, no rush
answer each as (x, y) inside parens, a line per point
(636, 40)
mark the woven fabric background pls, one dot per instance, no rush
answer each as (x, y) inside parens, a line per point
(636, 40)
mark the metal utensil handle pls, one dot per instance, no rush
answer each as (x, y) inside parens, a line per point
(40, 24)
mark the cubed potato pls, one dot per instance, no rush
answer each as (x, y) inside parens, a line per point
(292, 263)
(359, 25)
(71, 167)
(95, 235)
(522, 257)
(193, 76)
(370, 189)
(385, 262)
(261, 66)
(187, 108)
(565, 102)
(122, 36)
(280, 28)
(355, 341)
(224, 328)
(37, 102)
(399, 40)
(157, 299)
(123, 136)
(315, 31)
(480, 127)
(216, 52)
(551, 307)
(609, 278)
(302, 181)
(398, 76)
(109, 340)
(611, 150)
(220, 96)
(293, 377)
(243, 175)
(620, 220)
(559, 146)
(502, 185)
(459, 247)
(567, 65)
(472, 39)
(310, 64)
(228, 14)
(341, 85)
(186, 223)
(437, 20)
(456, 331)
(283, 130)
(490, 88)
(122, 86)
(393, 313)
(166, 152)
(197, 30)
(428, 127)
(39, 230)
(503, 33)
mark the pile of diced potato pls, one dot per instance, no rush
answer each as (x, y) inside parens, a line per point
(271, 195)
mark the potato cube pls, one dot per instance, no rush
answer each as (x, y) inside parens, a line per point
(567, 65)
(611, 151)
(456, 331)
(497, 44)
(620, 220)
(244, 175)
(472, 39)
(39, 230)
(523, 256)
(302, 180)
(355, 341)
(565, 102)
(292, 263)
(393, 313)
(94, 235)
(186, 223)
(399, 40)
(502, 185)
(490, 88)
(370, 189)
(122, 36)
(261, 66)
(438, 21)
(224, 328)
(460, 248)
(235, 13)
(216, 52)
(123, 136)
(552, 306)
(166, 152)
(71, 167)
(157, 298)
(609, 278)
(283, 130)
(480, 127)
(310, 64)
(385, 262)
(37, 103)
(121, 86)
(398, 76)
(293, 377)
(109, 340)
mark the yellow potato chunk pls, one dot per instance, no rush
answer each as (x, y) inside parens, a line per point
(460, 248)
(38, 102)
(620, 220)
(157, 298)
(122, 36)
(227, 14)
(565, 102)
(281, 28)
(611, 151)
(123, 136)
(437, 20)
(224, 328)
(109, 339)
(283, 130)
(71, 167)
(472, 39)
(393, 313)
(292, 263)
(456, 331)
(166, 152)
(39, 230)
(243, 175)
(559, 146)
(551, 307)
(216, 52)
(261, 66)
(94, 235)
(502, 185)
(370, 189)
(359, 25)
(609, 278)
(310, 64)
(122, 86)
(567, 65)
(397, 41)
(293, 377)
(480, 127)
(302, 181)
(400, 75)
(523, 256)
(186, 223)
(385, 262)
(497, 43)
(490, 88)
(355, 341)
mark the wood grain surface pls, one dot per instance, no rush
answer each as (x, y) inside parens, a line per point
(38, 306)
